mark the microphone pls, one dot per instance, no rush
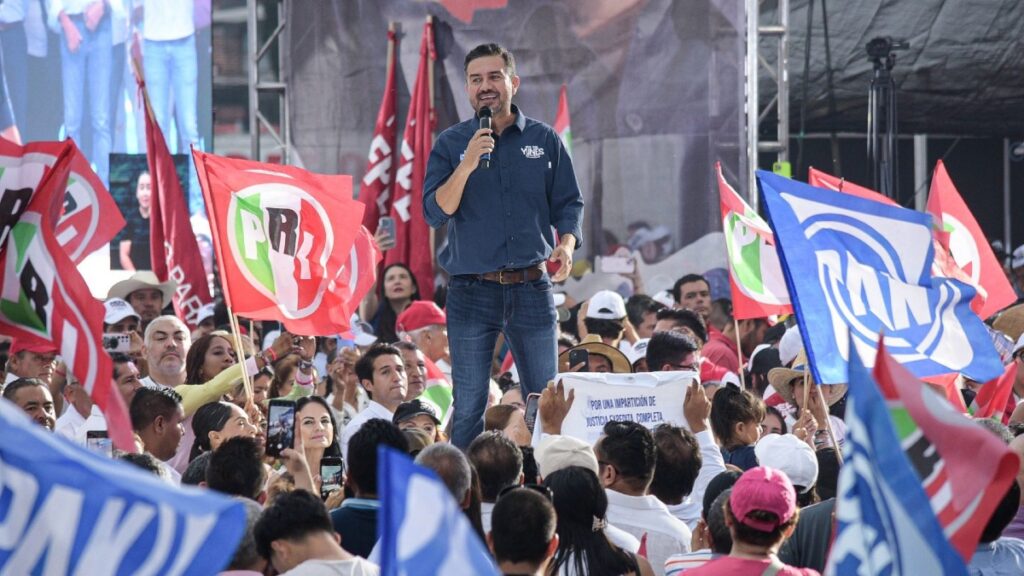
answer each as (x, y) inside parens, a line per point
(485, 123)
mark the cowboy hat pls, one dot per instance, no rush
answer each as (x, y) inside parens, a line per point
(140, 281)
(1011, 322)
(782, 379)
(593, 345)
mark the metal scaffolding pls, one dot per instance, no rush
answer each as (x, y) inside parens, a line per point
(779, 32)
(267, 79)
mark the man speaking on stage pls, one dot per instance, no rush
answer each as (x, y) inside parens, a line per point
(501, 190)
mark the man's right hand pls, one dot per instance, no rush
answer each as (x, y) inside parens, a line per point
(696, 407)
(71, 35)
(553, 407)
(481, 143)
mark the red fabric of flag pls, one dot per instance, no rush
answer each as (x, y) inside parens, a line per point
(992, 396)
(89, 219)
(966, 243)
(380, 166)
(412, 235)
(43, 298)
(172, 245)
(282, 236)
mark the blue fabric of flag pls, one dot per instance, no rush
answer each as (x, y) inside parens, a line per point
(421, 529)
(885, 525)
(65, 510)
(854, 268)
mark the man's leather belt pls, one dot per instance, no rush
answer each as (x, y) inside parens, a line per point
(515, 276)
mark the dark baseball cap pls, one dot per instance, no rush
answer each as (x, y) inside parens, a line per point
(415, 407)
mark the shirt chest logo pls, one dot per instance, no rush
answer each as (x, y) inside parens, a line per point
(532, 152)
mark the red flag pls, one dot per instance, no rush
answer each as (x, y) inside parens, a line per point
(821, 179)
(380, 166)
(993, 395)
(946, 385)
(80, 230)
(172, 245)
(755, 274)
(44, 299)
(963, 238)
(282, 236)
(964, 468)
(359, 273)
(412, 235)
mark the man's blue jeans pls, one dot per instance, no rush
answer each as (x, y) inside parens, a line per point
(477, 311)
(87, 72)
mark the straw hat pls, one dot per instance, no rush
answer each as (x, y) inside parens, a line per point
(592, 344)
(1011, 322)
(782, 380)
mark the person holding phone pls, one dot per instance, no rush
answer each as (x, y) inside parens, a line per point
(319, 431)
(500, 214)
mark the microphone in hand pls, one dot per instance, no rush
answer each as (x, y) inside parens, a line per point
(485, 124)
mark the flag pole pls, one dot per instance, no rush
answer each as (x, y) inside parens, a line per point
(828, 427)
(430, 114)
(807, 390)
(739, 353)
(240, 352)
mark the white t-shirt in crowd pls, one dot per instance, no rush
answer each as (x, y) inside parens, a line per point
(640, 515)
(352, 567)
(168, 19)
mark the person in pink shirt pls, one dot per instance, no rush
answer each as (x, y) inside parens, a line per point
(761, 513)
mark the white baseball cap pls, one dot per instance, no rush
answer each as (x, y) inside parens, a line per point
(606, 305)
(1017, 259)
(790, 345)
(790, 454)
(205, 312)
(637, 350)
(117, 310)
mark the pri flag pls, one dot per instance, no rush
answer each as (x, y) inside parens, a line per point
(884, 522)
(380, 166)
(359, 273)
(282, 238)
(755, 275)
(412, 235)
(69, 511)
(961, 236)
(86, 199)
(421, 530)
(855, 268)
(965, 469)
(562, 127)
(172, 245)
(43, 298)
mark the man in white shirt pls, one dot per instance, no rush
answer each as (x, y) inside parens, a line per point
(381, 372)
(81, 414)
(626, 455)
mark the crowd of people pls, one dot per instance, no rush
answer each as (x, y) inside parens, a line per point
(748, 484)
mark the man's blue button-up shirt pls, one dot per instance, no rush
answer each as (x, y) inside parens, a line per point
(508, 210)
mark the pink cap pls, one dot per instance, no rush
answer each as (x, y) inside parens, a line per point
(420, 314)
(766, 489)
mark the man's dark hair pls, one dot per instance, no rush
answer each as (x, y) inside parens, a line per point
(679, 462)
(522, 526)
(743, 533)
(567, 340)
(148, 403)
(364, 366)
(11, 389)
(828, 472)
(721, 538)
(718, 485)
(484, 50)
(630, 448)
(604, 328)
(668, 348)
(246, 555)
(292, 516)
(731, 406)
(362, 452)
(195, 473)
(118, 358)
(236, 468)
(531, 470)
(1002, 515)
(677, 287)
(143, 460)
(687, 318)
(640, 304)
(498, 462)
(405, 345)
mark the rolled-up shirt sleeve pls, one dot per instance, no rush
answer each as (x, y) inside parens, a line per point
(566, 199)
(439, 169)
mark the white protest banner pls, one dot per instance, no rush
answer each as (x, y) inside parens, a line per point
(650, 398)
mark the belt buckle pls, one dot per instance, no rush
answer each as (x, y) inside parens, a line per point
(512, 280)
